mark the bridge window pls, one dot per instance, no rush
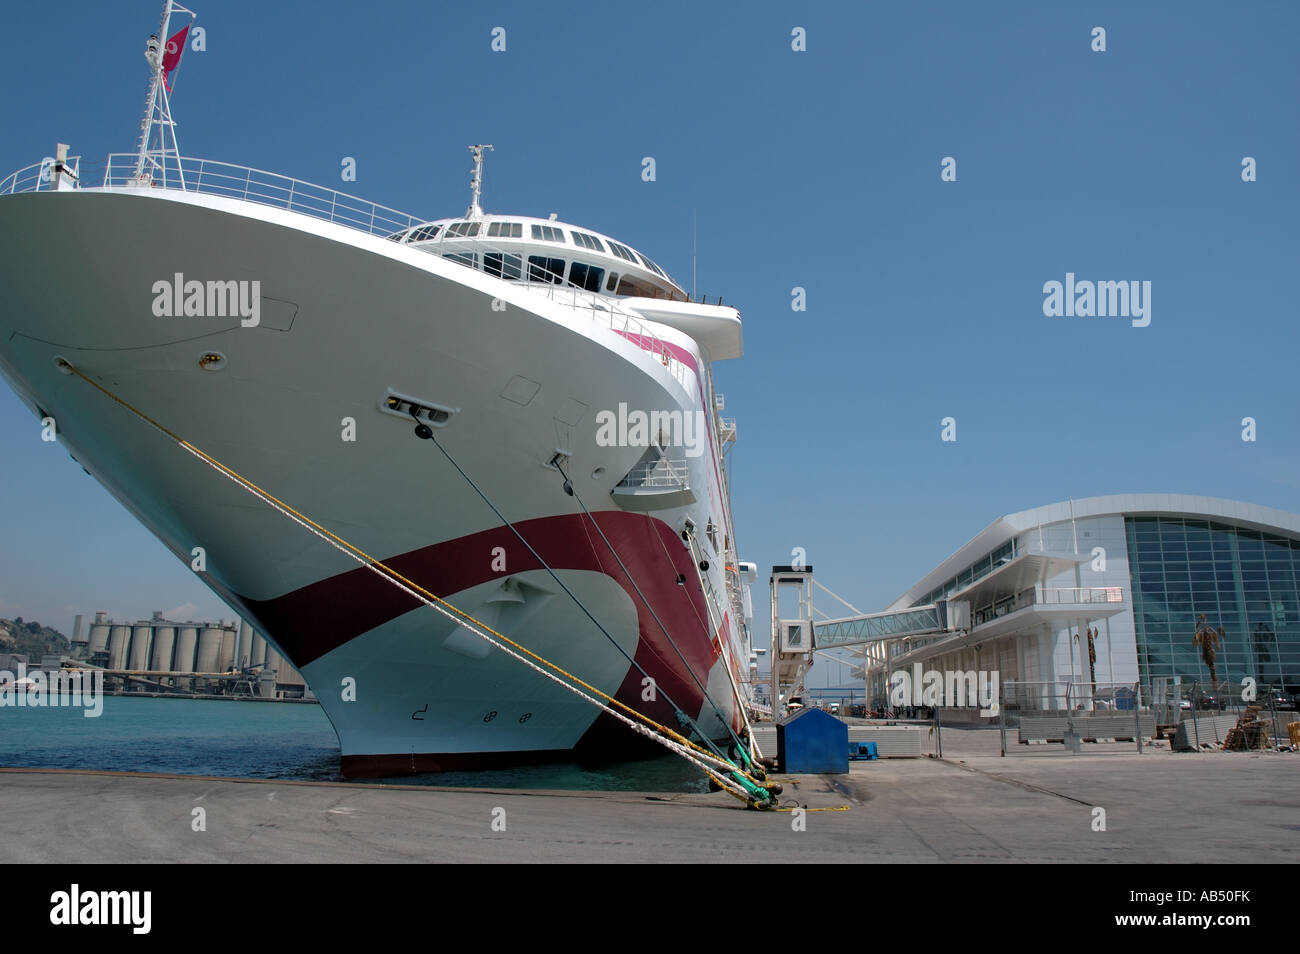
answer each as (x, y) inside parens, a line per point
(424, 233)
(505, 230)
(543, 269)
(638, 289)
(588, 241)
(547, 233)
(651, 265)
(622, 251)
(585, 276)
(462, 229)
(463, 258)
(509, 267)
(612, 282)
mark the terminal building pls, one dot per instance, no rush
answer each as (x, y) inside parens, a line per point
(1108, 591)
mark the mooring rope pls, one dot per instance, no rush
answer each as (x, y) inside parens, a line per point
(727, 776)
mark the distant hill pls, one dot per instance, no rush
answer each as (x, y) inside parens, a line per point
(31, 638)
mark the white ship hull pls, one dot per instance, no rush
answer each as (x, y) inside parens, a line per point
(346, 319)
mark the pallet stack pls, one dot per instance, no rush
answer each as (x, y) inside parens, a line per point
(1251, 732)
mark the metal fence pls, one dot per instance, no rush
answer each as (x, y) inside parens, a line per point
(1207, 711)
(1070, 714)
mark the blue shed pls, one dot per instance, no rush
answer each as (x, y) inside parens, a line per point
(812, 742)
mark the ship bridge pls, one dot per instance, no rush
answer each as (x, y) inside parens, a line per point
(548, 253)
(527, 249)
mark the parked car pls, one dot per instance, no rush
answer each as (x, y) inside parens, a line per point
(1212, 699)
(1276, 699)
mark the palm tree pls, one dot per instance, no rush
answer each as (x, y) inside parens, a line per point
(1208, 641)
(1092, 657)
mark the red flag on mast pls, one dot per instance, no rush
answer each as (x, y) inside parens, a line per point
(172, 54)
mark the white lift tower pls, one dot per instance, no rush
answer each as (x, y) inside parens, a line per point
(792, 633)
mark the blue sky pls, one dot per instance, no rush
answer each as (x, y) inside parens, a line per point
(818, 169)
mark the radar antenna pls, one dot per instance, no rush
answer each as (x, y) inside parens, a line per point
(476, 181)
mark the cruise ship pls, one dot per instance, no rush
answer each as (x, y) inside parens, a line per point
(514, 413)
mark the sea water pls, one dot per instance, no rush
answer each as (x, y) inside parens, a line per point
(267, 740)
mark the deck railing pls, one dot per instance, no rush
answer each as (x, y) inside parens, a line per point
(246, 184)
(658, 473)
(38, 177)
(226, 179)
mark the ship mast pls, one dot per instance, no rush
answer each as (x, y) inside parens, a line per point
(157, 110)
(475, 211)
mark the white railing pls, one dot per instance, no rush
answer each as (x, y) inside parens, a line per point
(658, 473)
(619, 321)
(246, 184)
(1084, 594)
(38, 177)
(223, 179)
(1048, 596)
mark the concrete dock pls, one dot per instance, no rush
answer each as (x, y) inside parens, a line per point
(972, 806)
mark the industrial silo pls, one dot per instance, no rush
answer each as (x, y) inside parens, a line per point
(226, 655)
(98, 641)
(209, 650)
(141, 639)
(186, 641)
(118, 639)
(257, 654)
(164, 641)
(244, 648)
(78, 644)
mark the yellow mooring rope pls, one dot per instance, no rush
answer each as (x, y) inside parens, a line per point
(711, 765)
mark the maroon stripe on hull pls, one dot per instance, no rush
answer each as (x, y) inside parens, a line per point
(318, 618)
(607, 740)
(388, 766)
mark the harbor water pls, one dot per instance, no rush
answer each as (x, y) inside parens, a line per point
(267, 740)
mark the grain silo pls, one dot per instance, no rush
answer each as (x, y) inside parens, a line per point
(186, 642)
(257, 655)
(226, 655)
(244, 648)
(209, 650)
(98, 639)
(164, 641)
(141, 638)
(119, 637)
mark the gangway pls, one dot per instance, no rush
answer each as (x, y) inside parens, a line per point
(931, 619)
(796, 636)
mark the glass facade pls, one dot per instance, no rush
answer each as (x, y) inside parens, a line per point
(980, 568)
(1242, 580)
